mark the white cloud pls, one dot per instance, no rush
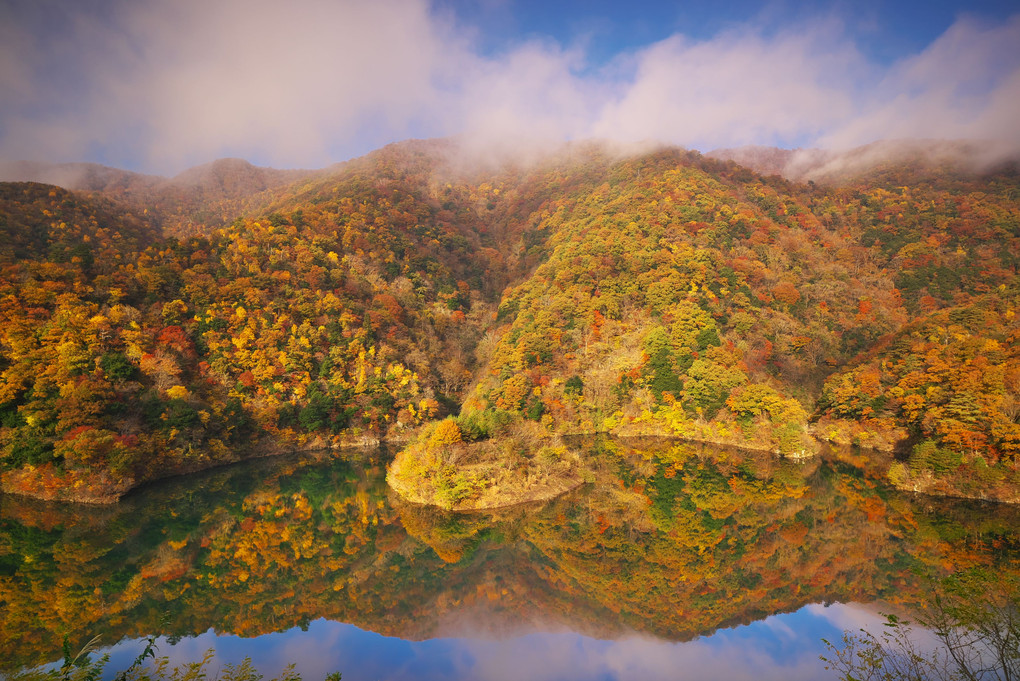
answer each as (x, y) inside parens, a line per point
(738, 88)
(285, 80)
(966, 84)
(182, 82)
(161, 84)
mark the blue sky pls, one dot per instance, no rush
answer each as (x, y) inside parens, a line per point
(160, 85)
(887, 30)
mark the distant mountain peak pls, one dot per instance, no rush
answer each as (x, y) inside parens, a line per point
(73, 176)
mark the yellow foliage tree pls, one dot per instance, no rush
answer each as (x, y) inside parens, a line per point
(447, 432)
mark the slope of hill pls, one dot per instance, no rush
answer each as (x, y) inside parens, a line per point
(662, 293)
(194, 202)
(693, 298)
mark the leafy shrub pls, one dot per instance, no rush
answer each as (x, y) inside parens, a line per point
(573, 386)
(486, 423)
(117, 367)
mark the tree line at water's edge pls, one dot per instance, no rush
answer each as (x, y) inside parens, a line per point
(665, 293)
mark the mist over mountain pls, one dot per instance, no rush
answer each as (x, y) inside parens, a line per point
(198, 199)
(821, 165)
(355, 321)
(76, 176)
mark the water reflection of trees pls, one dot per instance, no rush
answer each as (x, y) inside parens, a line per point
(671, 539)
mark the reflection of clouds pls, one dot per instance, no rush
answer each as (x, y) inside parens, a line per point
(190, 649)
(853, 617)
(307, 651)
(778, 625)
(850, 616)
(566, 656)
(698, 660)
(781, 647)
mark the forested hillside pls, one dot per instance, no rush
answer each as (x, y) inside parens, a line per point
(663, 293)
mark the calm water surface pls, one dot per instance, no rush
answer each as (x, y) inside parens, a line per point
(677, 561)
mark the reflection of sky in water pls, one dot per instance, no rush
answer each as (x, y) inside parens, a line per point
(781, 647)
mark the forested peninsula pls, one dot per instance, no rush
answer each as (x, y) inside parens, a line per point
(477, 316)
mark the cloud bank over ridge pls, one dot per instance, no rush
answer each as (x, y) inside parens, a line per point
(157, 85)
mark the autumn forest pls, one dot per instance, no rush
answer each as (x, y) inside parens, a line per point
(472, 316)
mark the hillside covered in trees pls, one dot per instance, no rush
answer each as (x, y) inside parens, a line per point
(481, 314)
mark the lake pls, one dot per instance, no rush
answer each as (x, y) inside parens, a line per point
(676, 560)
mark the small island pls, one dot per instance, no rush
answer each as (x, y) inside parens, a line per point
(441, 469)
